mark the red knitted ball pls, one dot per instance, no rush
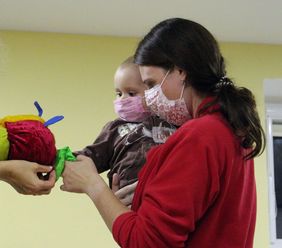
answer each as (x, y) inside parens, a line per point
(30, 140)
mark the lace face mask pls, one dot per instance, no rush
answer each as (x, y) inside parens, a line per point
(173, 111)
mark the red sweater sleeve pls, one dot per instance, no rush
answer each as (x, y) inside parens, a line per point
(183, 184)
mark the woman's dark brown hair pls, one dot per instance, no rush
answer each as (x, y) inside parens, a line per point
(189, 46)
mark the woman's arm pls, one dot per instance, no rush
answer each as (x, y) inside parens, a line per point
(178, 191)
(81, 176)
(22, 176)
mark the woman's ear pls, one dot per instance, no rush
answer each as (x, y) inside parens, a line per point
(182, 73)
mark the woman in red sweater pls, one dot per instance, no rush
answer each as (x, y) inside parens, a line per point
(198, 189)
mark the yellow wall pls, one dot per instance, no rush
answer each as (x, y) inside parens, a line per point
(72, 75)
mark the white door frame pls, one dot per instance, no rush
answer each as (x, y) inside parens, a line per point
(273, 113)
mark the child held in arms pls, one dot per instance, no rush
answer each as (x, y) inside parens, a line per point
(123, 143)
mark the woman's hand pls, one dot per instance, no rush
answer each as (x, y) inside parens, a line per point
(125, 194)
(79, 176)
(23, 177)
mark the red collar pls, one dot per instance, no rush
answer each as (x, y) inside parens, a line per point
(214, 107)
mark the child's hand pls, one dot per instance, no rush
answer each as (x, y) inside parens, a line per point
(125, 194)
(115, 183)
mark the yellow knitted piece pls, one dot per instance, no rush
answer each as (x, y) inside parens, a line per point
(4, 143)
(15, 118)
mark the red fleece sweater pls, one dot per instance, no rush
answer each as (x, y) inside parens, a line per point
(196, 190)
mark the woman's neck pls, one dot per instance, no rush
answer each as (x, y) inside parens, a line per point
(193, 100)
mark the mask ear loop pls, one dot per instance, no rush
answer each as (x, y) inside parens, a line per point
(164, 78)
(182, 91)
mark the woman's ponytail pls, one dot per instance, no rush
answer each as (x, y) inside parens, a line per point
(238, 106)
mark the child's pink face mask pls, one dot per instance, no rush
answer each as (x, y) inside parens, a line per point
(131, 109)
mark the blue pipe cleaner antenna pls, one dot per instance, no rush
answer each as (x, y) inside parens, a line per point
(39, 109)
(50, 121)
(53, 120)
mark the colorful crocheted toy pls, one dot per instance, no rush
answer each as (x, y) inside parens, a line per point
(27, 137)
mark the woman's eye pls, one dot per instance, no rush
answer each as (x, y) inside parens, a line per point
(150, 84)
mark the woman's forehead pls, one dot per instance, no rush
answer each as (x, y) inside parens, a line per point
(151, 72)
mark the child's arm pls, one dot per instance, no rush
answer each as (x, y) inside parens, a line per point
(102, 149)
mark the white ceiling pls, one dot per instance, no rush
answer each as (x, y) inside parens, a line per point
(258, 21)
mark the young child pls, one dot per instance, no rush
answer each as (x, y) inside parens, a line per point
(123, 143)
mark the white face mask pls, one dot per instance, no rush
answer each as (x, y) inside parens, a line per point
(173, 111)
